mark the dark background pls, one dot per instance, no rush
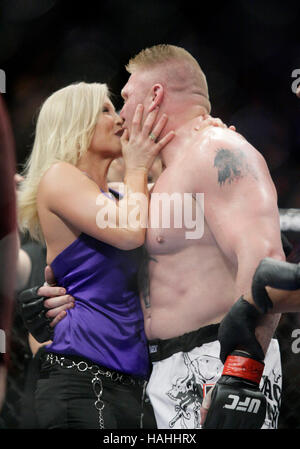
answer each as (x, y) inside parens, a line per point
(248, 50)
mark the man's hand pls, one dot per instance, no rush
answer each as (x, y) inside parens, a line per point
(236, 402)
(43, 307)
(237, 331)
(55, 298)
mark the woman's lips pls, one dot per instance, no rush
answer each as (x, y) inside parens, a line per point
(120, 132)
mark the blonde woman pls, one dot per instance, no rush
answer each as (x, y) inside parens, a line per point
(94, 372)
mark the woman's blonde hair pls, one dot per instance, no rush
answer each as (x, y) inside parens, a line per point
(64, 130)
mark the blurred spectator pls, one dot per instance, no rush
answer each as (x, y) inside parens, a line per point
(8, 241)
(23, 346)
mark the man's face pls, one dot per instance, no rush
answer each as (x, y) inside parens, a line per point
(133, 93)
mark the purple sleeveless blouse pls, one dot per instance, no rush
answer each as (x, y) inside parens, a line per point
(106, 325)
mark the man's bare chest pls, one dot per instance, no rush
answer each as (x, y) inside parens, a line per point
(176, 215)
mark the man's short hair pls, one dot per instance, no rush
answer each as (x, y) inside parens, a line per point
(156, 55)
(159, 54)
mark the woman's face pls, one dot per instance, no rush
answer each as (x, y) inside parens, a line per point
(108, 130)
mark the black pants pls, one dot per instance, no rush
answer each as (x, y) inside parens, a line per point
(65, 399)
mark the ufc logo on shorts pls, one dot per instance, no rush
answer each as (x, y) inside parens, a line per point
(248, 405)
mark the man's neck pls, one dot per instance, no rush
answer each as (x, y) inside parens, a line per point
(183, 133)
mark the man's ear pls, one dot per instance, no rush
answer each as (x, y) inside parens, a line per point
(156, 96)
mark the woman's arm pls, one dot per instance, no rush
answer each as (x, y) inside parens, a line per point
(66, 192)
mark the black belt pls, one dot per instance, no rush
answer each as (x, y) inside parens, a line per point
(162, 349)
(97, 373)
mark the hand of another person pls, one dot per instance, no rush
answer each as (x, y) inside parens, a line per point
(142, 145)
(208, 120)
(56, 299)
(43, 307)
(273, 273)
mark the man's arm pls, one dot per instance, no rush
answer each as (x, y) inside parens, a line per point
(23, 269)
(241, 211)
(43, 307)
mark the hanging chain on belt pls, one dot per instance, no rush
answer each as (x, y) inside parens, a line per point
(99, 404)
(96, 371)
(96, 380)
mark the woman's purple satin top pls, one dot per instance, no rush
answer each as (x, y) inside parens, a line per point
(106, 325)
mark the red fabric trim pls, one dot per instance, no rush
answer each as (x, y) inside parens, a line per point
(243, 367)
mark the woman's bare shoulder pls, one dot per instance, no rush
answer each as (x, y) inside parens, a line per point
(58, 169)
(59, 174)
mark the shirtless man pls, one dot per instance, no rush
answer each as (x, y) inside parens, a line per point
(194, 282)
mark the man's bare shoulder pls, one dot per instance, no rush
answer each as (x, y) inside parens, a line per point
(227, 151)
(214, 138)
(227, 157)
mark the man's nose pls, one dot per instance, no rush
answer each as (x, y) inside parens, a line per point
(120, 112)
(119, 119)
